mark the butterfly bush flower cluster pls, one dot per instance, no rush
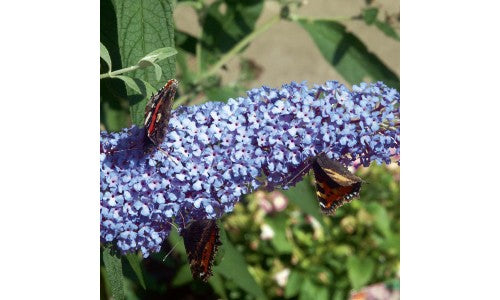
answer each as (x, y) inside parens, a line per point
(216, 152)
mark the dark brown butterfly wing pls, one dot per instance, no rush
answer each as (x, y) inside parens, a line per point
(335, 184)
(201, 240)
(157, 114)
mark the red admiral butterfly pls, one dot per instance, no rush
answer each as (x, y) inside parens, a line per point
(156, 117)
(157, 114)
(201, 240)
(335, 185)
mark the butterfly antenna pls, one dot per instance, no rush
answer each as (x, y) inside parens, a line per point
(177, 228)
(115, 151)
(306, 166)
(171, 250)
(183, 221)
(169, 157)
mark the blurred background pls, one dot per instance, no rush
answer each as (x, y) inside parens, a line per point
(276, 245)
(287, 53)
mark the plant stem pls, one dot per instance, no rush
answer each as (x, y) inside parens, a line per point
(194, 4)
(118, 72)
(312, 19)
(237, 48)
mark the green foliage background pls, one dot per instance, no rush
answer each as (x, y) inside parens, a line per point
(324, 257)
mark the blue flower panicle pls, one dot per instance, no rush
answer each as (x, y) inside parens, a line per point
(215, 152)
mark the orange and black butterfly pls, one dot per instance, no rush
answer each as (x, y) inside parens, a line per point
(157, 114)
(335, 184)
(201, 240)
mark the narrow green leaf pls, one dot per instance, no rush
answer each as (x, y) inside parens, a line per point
(105, 56)
(130, 290)
(176, 241)
(293, 284)
(218, 285)
(105, 286)
(158, 71)
(130, 82)
(359, 271)
(113, 265)
(133, 260)
(302, 195)
(158, 55)
(234, 267)
(387, 29)
(143, 91)
(348, 54)
(370, 15)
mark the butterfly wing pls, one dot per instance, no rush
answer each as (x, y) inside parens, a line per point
(335, 185)
(201, 240)
(158, 111)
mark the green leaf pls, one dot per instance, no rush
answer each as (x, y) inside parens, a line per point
(143, 27)
(157, 68)
(387, 29)
(130, 82)
(114, 104)
(309, 290)
(382, 220)
(154, 57)
(321, 293)
(113, 266)
(370, 15)
(234, 267)
(359, 271)
(302, 195)
(158, 71)
(133, 260)
(293, 284)
(109, 32)
(222, 30)
(183, 276)
(130, 290)
(144, 91)
(218, 285)
(105, 56)
(105, 286)
(157, 55)
(339, 295)
(175, 239)
(279, 241)
(349, 56)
